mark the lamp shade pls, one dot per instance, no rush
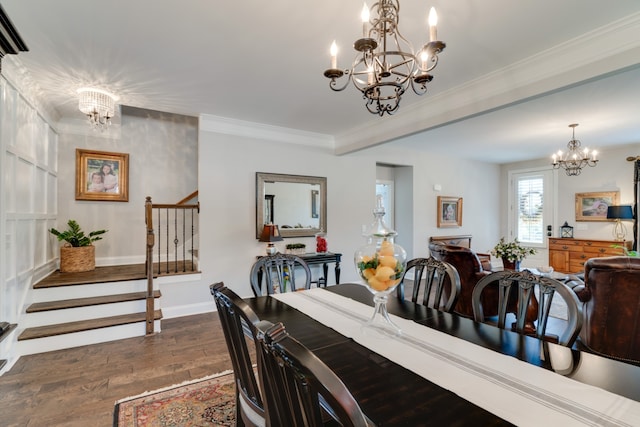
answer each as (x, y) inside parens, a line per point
(620, 212)
(270, 233)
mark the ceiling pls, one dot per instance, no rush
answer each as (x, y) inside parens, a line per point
(514, 75)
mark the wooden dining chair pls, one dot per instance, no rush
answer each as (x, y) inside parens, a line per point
(284, 269)
(527, 285)
(300, 390)
(238, 323)
(441, 283)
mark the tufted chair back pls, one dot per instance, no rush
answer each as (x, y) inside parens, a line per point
(612, 311)
(470, 269)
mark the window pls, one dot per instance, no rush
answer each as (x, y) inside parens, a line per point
(531, 206)
(385, 188)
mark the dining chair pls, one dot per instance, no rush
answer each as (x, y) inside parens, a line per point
(300, 390)
(529, 286)
(239, 322)
(285, 269)
(441, 283)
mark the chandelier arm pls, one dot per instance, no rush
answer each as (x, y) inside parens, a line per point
(333, 83)
(421, 89)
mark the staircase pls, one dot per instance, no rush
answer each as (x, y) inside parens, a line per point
(73, 309)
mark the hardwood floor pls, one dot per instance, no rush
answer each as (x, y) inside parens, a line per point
(79, 386)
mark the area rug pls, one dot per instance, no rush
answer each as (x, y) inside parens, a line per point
(206, 401)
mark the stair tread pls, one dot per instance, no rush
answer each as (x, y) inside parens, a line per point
(114, 273)
(84, 325)
(88, 301)
(99, 275)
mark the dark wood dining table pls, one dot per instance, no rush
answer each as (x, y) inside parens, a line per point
(391, 395)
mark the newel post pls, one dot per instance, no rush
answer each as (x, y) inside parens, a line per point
(148, 219)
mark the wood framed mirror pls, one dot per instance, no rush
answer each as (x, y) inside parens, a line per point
(297, 204)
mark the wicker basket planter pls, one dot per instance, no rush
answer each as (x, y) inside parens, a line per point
(77, 259)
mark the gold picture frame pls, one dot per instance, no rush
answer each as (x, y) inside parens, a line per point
(449, 212)
(102, 176)
(593, 206)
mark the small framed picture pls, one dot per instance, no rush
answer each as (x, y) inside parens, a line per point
(102, 176)
(593, 206)
(449, 212)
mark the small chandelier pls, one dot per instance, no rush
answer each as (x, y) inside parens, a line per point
(575, 158)
(98, 105)
(386, 65)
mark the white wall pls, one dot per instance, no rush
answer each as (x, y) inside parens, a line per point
(227, 197)
(163, 153)
(612, 173)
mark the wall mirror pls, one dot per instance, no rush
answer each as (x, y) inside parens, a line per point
(297, 204)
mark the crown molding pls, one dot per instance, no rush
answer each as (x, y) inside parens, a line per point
(227, 126)
(605, 51)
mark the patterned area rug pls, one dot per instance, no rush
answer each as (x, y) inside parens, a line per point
(207, 401)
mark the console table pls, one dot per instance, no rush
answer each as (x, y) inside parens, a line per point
(324, 258)
(567, 255)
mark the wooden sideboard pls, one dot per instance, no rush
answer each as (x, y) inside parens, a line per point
(569, 255)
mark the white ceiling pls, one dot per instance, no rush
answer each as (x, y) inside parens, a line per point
(514, 74)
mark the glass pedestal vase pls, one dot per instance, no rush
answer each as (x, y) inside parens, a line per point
(381, 266)
(380, 324)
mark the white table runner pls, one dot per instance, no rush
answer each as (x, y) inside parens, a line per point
(516, 391)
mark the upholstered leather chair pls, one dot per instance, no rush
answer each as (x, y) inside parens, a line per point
(612, 308)
(470, 269)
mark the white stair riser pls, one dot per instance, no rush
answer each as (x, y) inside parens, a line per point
(90, 290)
(78, 339)
(53, 317)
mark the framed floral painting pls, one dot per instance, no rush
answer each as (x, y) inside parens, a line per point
(102, 176)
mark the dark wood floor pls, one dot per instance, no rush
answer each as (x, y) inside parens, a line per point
(79, 386)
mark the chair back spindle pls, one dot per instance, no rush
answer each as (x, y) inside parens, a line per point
(300, 390)
(441, 283)
(238, 322)
(284, 268)
(526, 284)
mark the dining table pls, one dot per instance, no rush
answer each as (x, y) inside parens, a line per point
(448, 370)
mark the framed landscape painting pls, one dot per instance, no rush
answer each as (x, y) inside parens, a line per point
(449, 212)
(593, 206)
(102, 176)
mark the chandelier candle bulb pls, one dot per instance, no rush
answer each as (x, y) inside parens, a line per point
(424, 58)
(365, 19)
(334, 55)
(433, 22)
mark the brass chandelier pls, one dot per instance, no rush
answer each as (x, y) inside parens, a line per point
(575, 158)
(386, 65)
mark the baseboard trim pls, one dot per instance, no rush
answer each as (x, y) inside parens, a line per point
(188, 310)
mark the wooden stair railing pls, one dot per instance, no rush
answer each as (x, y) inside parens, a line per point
(164, 241)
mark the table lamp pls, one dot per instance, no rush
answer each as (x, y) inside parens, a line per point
(270, 234)
(619, 213)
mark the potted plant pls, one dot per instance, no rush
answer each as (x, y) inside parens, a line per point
(296, 248)
(511, 253)
(78, 253)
